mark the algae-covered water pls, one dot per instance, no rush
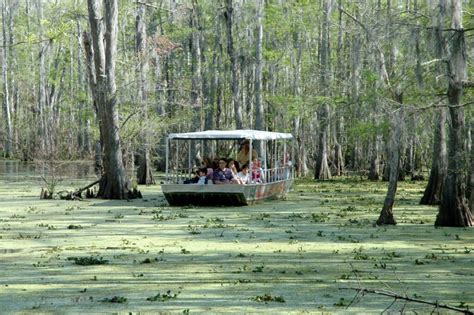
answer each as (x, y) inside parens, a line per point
(291, 256)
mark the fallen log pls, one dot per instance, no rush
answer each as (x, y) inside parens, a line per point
(77, 195)
(80, 190)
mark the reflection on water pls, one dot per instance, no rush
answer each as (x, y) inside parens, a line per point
(17, 170)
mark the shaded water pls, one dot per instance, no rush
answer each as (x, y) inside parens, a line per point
(14, 171)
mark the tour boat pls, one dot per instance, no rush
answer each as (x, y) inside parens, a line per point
(278, 171)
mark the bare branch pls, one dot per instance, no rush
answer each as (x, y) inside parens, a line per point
(152, 6)
(28, 42)
(458, 29)
(354, 19)
(409, 299)
(433, 61)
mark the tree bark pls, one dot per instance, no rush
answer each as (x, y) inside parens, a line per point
(144, 171)
(386, 215)
(374, 171)
(83, 136)
(322, 171)
(338, 156)
(471, 185)
(235, 65)
(434, 188)
(41, 105)
(8, 151)
(259, 110)
(114, 183)
(454, 209)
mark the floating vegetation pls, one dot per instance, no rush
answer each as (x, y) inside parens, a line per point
(88, 261)
(115, 299)
(268, 298)
(319, 217)
(151, 260)
(258, 269)
(193, 230)
(74, 227)
(342, 302)
(163, 297)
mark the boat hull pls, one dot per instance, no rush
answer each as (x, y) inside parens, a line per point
(223, 195)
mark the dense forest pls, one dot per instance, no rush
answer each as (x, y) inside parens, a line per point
(380, 89)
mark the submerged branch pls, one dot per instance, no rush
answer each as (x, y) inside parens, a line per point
(397, 296)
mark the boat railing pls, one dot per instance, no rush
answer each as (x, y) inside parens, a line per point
(181, 175)
(277, 174)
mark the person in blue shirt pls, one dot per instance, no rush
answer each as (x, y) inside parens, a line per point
(222, 175)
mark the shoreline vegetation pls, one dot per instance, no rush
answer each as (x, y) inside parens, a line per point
(294, 255)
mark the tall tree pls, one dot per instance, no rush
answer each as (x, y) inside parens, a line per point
(454, 209)
(6, 104)
(322, 170)
(259, 111)
(113, 183)
(471, 184)
(41, 110)
(144, 172)
(434, 188)
(229, 18)
(386, 215)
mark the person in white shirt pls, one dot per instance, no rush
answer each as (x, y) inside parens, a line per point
(243, 177)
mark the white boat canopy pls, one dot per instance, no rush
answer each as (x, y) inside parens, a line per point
(230, 135)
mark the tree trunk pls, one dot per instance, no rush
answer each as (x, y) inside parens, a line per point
(338, 156)
(196, 81)
(235, 66)
(374, 171)
(114, 183)
(41, 105)
(454, 209)
(471, 185)
(83, 136)
(259, 111)
(322, 171)
(386, 215)
(212, 117)
(8, 152)
(144, 171)
(14, 82)
(298, 121)
(434, 189)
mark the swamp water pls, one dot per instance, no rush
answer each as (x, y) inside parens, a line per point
(291, 256)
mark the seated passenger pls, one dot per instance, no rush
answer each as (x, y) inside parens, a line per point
(203, 180)
(233, 166)
(243, 177)
(193, 180)
(243, 155)
(223, 175)
(257, 172)
(208, 165)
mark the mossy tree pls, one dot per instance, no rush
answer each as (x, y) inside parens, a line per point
(454, 209)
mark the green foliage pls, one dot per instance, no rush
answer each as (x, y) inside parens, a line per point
(163, 297)
(88, 261)
(269, 298)
(115, 299)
